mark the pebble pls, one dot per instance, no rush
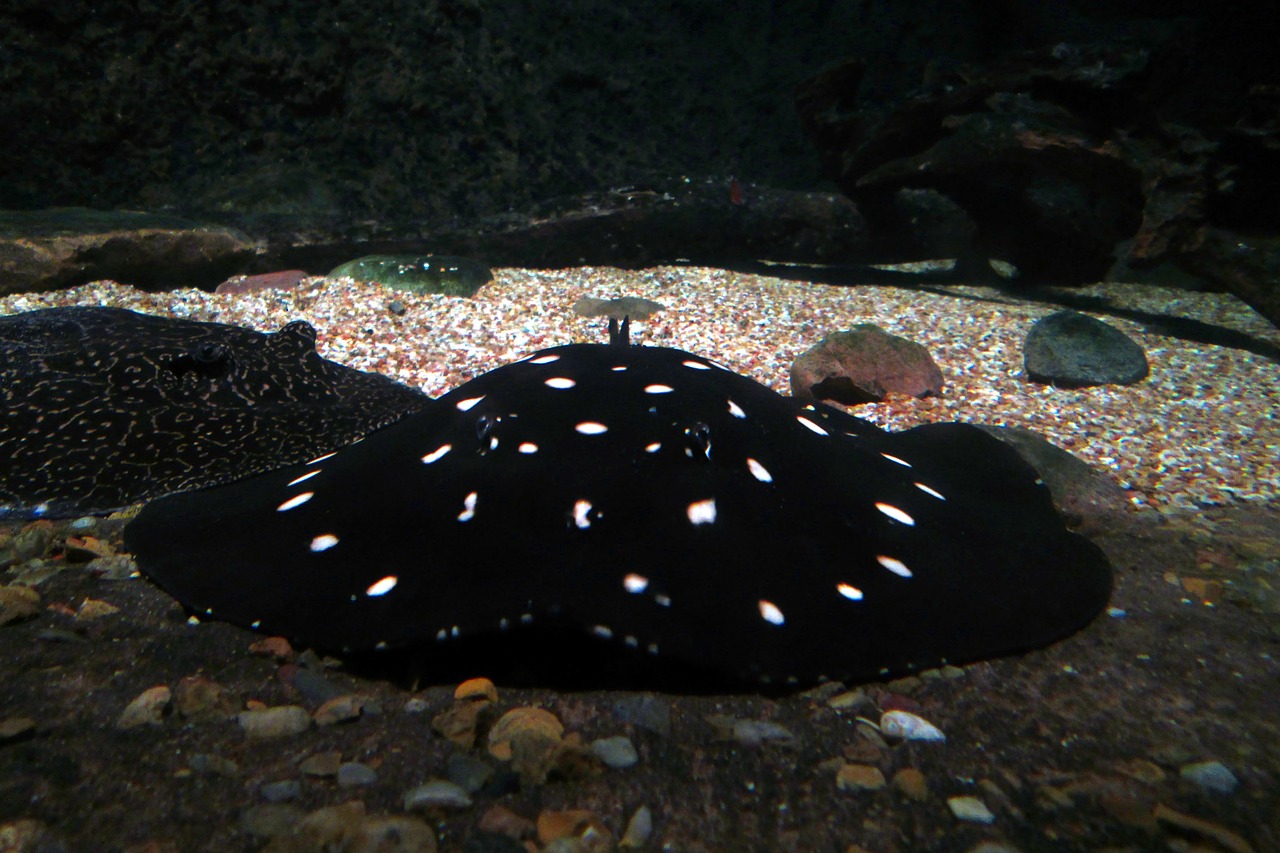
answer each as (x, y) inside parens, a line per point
(1213, 776)
(469, 772)
(91, 609)
(523, 724)
(282, 791)
(500, 820)
(321, 764)
(84, 523)
(389, 834)
(355, 774)
(911, 783)
(639, 829)
(197, 696)
(574, 824)
(280, 721)
(616, 752)
(970, 809)
(18, 602)
(756, 732)
(477, 689)
(209, 764)
(12, 728)
(859, 777)
(270, 819)
(416, 705)
(339, 709)
(148, 708)
(908, 726)
(437, 793)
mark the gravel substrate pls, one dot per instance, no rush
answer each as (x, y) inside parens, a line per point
(1202, 429)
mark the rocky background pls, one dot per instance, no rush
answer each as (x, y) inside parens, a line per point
(438, 125)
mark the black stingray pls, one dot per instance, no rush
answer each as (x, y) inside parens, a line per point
(653, 499)
(104, 407)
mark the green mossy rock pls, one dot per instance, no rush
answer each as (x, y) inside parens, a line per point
(419, 273)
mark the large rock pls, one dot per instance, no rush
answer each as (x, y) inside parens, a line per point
(63, 247)
(863, 365)
(1073, 350)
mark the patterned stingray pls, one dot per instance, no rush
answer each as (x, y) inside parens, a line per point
(650, 498)
(105, 407)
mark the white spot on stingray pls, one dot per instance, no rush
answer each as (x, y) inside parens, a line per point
(603, 632)
(653, 448)
(544, 359)
(591, 428)
(770, 613)
(703, 511)
(297, 480)
(928, 491)
(493, 442)
(736, 410)
(526, 618)
(582, 514)
(561, 382)
(504, 623)
(633, 582)
(632, 642)
(469, 507)
(657, 388)
(808, 424)
(295, 501)
(323, 542)
(465, 405)
(904, 463)
(527, 447)
(662, 600)
(255, 624)
(619, 368)
(383, 586)
(696, 365)
(895, 513)
(322, 458)
(441, 635)
(850, 592)
(758, 471)
(436, 454)
(653, 648)
(894, 565)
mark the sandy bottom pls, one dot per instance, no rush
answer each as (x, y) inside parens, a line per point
(1201, 430)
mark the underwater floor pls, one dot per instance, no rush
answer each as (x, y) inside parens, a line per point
(1157, 727)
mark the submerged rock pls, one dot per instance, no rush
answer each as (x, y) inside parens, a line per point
(451, 276)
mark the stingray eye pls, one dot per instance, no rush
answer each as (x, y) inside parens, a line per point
(698, 440)
(485, 426)
(209, 353)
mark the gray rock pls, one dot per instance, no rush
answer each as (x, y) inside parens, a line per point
(1213, 776)
(437, 793)
(282, 791)
(354, 774)
(1073, 350)
(616, 752)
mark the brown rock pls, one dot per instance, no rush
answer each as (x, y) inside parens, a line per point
(575, 823)
(148, 708)
(18, 602)
(911, 782)
(63, 247)
(280, 280)
(504, 821)
(273, 647)
(339, 709)
(863, 365)
(476, 689)
(458, 724)
(523, 725)
(197, 696)
(859, 777)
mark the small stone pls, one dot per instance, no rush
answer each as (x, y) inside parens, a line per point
(13, 728)
(911, 783)
(211, 765)
(523, 724)
(279, 721)
(390, 834)
(79, 549)
(32, 541)
(339, 709)
(616, 752)
(324, 828)
(970, 810)
(477, 689)
(468, 772)
(197, 696)
(416, 705)
(269, 820)
(147, 709)
(119, 567)
(18, 602)
(635, 307)
(1213, 776)
(1219, 833)
(272, 647)
(576, 824)
(395, 306)
(756, 732)
(908, 726)
(639, 829)
(355, 774)
(437, 793)
(23, 835)
(859, 777)
(849, 700)
(500, 820)
(282, 791)
(321, 764)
